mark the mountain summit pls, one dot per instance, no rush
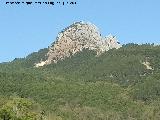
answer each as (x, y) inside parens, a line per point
(75, 38)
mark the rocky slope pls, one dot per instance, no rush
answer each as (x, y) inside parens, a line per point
(77, 37)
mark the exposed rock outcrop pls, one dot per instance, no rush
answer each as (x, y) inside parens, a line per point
(77, 37)
(147, 65)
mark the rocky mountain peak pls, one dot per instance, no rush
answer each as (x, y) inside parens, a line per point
(75, 38)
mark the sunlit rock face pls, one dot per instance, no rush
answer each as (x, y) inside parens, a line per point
(75, 38)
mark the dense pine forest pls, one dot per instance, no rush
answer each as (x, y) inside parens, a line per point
(120, 84)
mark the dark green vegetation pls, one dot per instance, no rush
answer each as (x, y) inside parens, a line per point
(113, 86)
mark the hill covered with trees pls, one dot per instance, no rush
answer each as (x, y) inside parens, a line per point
(120, 84)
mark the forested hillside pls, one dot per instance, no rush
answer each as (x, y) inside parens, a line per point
(120, 84)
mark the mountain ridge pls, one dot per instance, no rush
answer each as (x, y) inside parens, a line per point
(116, 84)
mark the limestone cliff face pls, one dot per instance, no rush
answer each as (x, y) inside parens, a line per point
(77, 37)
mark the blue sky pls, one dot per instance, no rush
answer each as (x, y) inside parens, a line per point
(25, 29)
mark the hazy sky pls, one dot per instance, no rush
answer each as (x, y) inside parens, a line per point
(25, 29)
